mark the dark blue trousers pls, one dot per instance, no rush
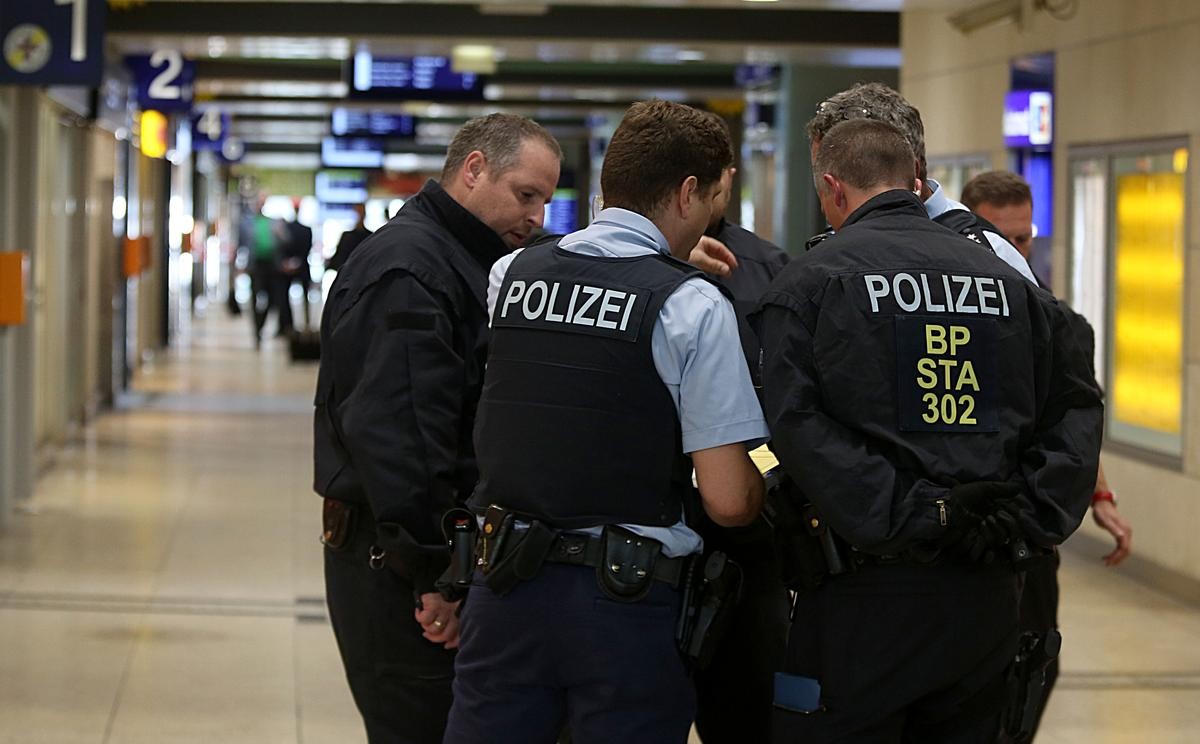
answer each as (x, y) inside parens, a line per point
(556, 652)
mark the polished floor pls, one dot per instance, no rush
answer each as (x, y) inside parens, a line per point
(164, 584)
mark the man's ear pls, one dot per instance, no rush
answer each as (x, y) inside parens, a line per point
(688, 191)
(835, 189)
(473, 168)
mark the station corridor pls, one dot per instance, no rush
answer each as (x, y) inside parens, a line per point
(164, 583)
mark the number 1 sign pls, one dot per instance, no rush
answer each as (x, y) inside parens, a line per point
(52, 42)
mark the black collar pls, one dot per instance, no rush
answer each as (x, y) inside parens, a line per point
(895, 201)
(481, 241)
(713, 232)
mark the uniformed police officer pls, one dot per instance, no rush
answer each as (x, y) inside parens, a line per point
(1004, 199)
(878, 101)
(925, 405)
(402, 351)
(734, 691)
(610, 359)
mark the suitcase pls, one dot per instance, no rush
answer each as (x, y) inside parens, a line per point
(305, 346)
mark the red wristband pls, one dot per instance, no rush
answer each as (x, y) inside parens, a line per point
(1104, 496)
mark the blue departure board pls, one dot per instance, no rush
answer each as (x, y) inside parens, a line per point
(361, 122)
(422, 78)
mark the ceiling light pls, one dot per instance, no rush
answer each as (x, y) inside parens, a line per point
(502, 8)
(477, 58)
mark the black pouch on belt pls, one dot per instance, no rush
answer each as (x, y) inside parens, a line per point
(337, 523)
(626, 566)
(522, 560)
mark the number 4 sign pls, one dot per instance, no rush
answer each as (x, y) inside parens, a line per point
(164, 80)
(210, 127)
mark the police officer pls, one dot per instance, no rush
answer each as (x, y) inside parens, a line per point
(609, 361)
(925, 405)
(403, 345)
(734, 691)
(1005, 201)
(758, 262)
(878, 101)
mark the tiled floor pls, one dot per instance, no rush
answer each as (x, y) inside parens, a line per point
(164, 585)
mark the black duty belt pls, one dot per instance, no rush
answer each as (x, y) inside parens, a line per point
(578, 549)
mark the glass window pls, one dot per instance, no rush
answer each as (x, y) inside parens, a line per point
(1089, 248)
(953, 173)
(1127, 242)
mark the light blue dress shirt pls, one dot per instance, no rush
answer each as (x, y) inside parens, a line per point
(938, 203)
(696, 351)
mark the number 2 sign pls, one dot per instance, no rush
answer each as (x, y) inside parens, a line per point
(164, 80)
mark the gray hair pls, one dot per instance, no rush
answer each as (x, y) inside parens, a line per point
(499, 137)
(872, 101)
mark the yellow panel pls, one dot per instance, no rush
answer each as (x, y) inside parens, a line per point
(1147, 387)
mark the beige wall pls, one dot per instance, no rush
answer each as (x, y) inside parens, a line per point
(1126, 70)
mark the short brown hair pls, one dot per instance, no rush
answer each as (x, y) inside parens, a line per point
(1000, 188)
(656, 147)
(865, 153)
(499, 137)
(872, 101)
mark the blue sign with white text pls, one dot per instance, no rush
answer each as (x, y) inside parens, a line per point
(164, 80)
(52, 42)
(210, 127)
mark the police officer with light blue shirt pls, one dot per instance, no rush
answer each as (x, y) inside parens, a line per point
(938, 205)
(609, 360)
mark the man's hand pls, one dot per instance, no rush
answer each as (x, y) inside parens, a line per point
(713, 257)
(980, 518)
(439, 619)
(1106, 515)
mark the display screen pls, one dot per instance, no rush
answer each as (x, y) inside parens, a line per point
(1147, 304)
(411, 78)
(562, 213)
(341, 186)
(358, 122)
(351, 152)
(1028, 118)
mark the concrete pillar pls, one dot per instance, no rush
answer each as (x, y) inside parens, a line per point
(797, 214)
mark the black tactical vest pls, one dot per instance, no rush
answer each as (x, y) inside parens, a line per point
(575, 426)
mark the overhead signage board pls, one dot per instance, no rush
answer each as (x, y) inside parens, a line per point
(351, 152)
(360, 123)
(341, 187)
(164, 80)
(1028, 118)
(52, 42)
(210, 128)
(412, 78)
